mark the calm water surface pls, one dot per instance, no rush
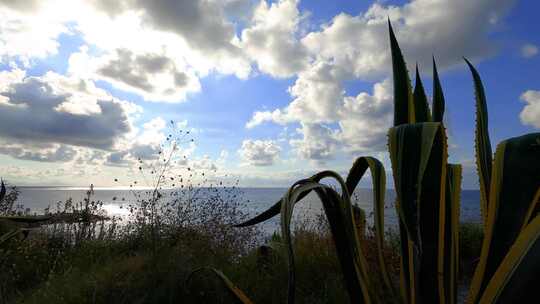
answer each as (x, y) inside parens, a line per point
(256, 200)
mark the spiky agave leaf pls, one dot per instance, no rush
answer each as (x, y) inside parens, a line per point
(482, 143)
(514, 183)
(404, 111)
(235, 291)
(2, 190)
(9, 235)
(418, 154)
(516, 279)
(421, 106)
(534, 209)
(438, 96)
(338, 210)
(378, 177)
(451, 236)
(276, 208)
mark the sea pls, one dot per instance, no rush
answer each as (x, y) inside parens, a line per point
(255, 200)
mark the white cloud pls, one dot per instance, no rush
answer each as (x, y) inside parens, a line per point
(259, 152)
(356, 47)
(57, 109)
(530, 115)
(25, 37)
(359, 44)
(529, 50)
(318, 142)
(270, 39)
(156, 77)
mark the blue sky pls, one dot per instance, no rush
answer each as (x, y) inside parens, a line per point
(272, 91)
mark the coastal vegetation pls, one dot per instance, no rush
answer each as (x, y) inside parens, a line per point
(193, 244)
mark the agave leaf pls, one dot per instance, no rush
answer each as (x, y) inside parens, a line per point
(2, 190)
(516, 279)
(276, 208)
(378, 177)
(418, 154)
(9, 235)
(450, 249)
(534, 209)
(235, 291)
(421, 106)
(514, 183)
(482, 143)
(438, 96)
(432, 224)
(345, 238)
(403, 99)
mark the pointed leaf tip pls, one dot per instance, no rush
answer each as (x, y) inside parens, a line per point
(438, 96)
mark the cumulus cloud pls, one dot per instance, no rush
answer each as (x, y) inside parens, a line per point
(318, 142)
(259, 152)
(270, 39)
(54, 108)
(356, 47)
(156, 77)
(43, 153)
(530, 115)
(359, 44)
(25, 37)
(529, 50)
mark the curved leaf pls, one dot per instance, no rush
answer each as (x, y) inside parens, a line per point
(9, 235)
(514, 183)
(235, 291)
(341, 221)
(482, 143)
(378, 176)
(516, 279)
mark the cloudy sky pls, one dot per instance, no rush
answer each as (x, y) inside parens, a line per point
(270, 90)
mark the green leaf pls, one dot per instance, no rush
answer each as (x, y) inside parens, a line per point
(2, 190)
(438, 96)
(9, 235)
(340, 218)
(450, 256)
(235, 291)
(514, 183)
(482, 143)
(516, 279)
(403, 99)
(378, 177)
(421, 106)
(418, 154)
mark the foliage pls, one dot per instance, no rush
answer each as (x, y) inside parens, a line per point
(428, 193)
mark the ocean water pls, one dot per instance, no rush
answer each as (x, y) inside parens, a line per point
(256, 200)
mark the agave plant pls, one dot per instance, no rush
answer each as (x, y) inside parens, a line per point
(428, 197)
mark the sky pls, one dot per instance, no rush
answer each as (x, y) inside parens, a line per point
(270, 91)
